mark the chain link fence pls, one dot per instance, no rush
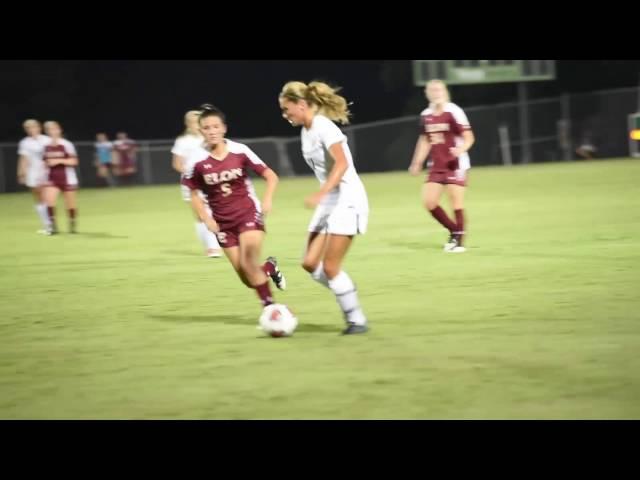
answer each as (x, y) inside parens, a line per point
(556, 127)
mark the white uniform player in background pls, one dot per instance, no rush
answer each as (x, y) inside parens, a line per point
(32, 171)
(187, 150)
(341, 205)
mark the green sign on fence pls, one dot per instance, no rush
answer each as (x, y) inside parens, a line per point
(458, 72)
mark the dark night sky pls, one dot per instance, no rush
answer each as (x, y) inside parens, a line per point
(148, 98)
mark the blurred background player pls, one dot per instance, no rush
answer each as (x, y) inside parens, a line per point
(190, 146)
(32, 171)
(125, 150)
(236, 215)
(586, 149)
(447, 135)
(61, 159)
(341, 204)
(104, 158)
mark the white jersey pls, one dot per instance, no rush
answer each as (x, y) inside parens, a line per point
(33, 148)
(316, 142)
(189, 147)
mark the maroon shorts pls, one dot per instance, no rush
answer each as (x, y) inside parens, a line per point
(62, 185)
(126, 162)
(229, 233)
(448, 177)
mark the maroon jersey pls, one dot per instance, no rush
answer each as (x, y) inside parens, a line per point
(62, 176)
(126, 151)
(444, 131)
(226, 183)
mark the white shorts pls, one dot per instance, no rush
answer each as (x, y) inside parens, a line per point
(339, 220)
(36, 177)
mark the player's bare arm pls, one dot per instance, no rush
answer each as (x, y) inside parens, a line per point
(178, 163)
(272, 182)
(22, 169)
(469, 139)
(52, 162)
(340, 166)
(70, 162)
(198, 206)
(423, 147)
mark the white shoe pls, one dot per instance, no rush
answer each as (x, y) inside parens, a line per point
(42, 231)
(453, 245)
(450, 243)
(214, 253)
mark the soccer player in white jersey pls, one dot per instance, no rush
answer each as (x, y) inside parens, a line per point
(187, 149)
(32, 171)
(341, 204)
(446, 134)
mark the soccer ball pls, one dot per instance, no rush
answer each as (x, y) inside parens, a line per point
(277, 320)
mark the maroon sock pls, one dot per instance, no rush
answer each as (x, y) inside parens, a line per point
(440, 215)
(459, 225)
(72, 213)
(264, 292)
(268, 268)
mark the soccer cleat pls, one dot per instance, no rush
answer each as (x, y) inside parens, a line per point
(455, 247)
(52, 231)
(451, 242)
(277, 276)
(353, 329)
(72, 227)
(42, 232)
(213, 253)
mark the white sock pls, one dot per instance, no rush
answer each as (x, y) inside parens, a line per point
(41, 209)
(347, 296)
(201, 231)
(319, 276)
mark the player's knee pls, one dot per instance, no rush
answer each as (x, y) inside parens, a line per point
(430, 204)
(331, 269)
(309, 265)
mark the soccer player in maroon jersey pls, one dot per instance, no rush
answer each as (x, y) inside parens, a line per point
(61, 159)
(235, 214)
(446, 134)
(125, 158)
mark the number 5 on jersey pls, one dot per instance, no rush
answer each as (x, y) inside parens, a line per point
(226, 189)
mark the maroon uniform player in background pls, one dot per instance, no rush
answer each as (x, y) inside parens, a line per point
(60, 158)
(446, 134)
(235, 214)
(125, 156)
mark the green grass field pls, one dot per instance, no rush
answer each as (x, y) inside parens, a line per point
(539, 319)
